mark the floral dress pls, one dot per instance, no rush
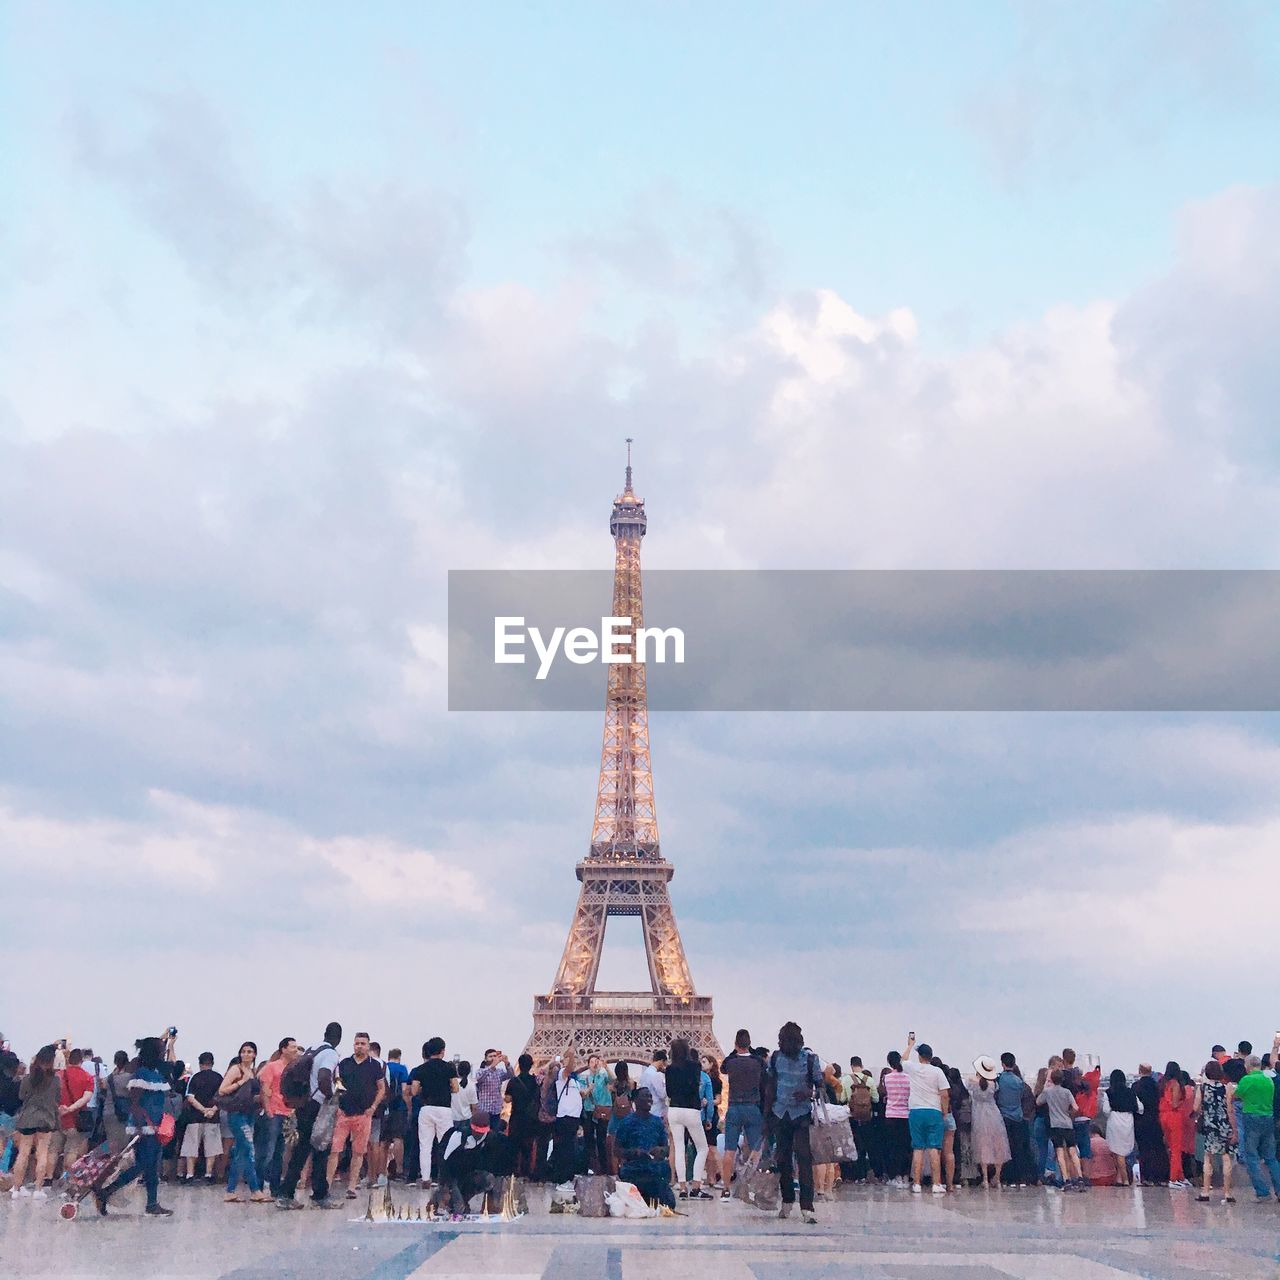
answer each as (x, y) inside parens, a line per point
(1214, 1121)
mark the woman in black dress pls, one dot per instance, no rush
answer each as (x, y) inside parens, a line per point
(1153, 1156)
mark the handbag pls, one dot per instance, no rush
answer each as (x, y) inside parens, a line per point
(165, 1129)
(242, 1100)
(326, 1120)
(830, 1138)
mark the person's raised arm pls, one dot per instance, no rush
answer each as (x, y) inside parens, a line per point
(911, 1046)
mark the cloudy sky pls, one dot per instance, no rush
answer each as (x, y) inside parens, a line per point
(300, 310)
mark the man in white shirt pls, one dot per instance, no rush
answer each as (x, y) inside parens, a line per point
(653, 1079)
(929, 1102)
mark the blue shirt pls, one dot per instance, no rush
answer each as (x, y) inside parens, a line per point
(795, 1075)
(642, 1133)
(1009, 1095)
(397, 1078)
(147, 1092)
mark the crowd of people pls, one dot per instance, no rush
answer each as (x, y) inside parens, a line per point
(681, 1127)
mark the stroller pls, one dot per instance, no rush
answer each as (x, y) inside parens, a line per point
(93, 1170)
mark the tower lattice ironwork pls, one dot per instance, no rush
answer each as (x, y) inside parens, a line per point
(624, 873)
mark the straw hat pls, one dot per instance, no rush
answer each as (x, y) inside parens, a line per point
(987, 1068)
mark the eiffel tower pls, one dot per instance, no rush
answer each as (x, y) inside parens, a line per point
(624, 874)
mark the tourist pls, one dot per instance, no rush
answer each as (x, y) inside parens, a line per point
(1172, 1097)
(75, 1115)
(463, 1101)
(375, 1155)
(36, 1121)
(495, 1071)
(1060, 1107)
(622, 1095)
(824, 1175)
(238, 1101)
(597, 1108)
(1153, 1155)
(1120, 1107)
(395, 1123)
(744, 1118)
(863, 1121)
(1009, 1089)
(957, 1095)
(1045, 1162)
(1256, 1096)
(115, 1112)
(653, 1078)
(202, 1134)
(1073, 1081)
(568, 1101)
(1219, 1128)
(642, 1144)
(927, 1103)
(320, 1087)
(10, 1102)
(522, 1126)
(712, 1105)
(148, 1089)
(269, 1142)
(684, 1118)
(434, 1083)
(989, 1133)
(794, 1073)
(895, 1088)
(362, 1089)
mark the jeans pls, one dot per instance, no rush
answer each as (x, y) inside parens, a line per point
(743, 1119)
(1040, 1148)
(793, 1140)
(319, 1180)
(652, 1179)
(684, 1121)
(242, 1166)
(269, 1143)
(7, 1150)
(1258, 1147)
(146, 1165)
(1084, 1139)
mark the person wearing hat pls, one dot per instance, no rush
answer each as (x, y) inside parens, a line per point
(464, 1164)
(988, 1138)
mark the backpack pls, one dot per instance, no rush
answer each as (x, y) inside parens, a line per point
(295, 1079)
(859, 1100)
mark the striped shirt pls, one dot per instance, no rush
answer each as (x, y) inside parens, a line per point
(897, 1095)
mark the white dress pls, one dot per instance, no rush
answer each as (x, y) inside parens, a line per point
(1119, 1128)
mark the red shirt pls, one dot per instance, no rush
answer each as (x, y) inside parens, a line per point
(1087, 1099)
(270, 1076)
(76, 1082)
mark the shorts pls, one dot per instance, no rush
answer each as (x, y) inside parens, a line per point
(375, 1131)
(206, 1134)
(71, 1144)
(926, 1128)
(948, 1123)
(40, 1128)
(743, 1118)
(354, 1127)
(395, 1124)
(1062, 1138)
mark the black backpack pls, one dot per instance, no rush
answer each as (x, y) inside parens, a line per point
(295, 1079)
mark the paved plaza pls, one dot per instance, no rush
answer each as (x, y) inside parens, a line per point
(866, 1235)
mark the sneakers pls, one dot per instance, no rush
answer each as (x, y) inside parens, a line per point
(39, 1194)
(287, 1202)
(158, 1211)
(939, 1189)
(326, 1203)
(20, 1193)
(381, 1182)
(785, 1211)
(726, 1194)
(808, 1217)
(915, 1189)
(700, 1194)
